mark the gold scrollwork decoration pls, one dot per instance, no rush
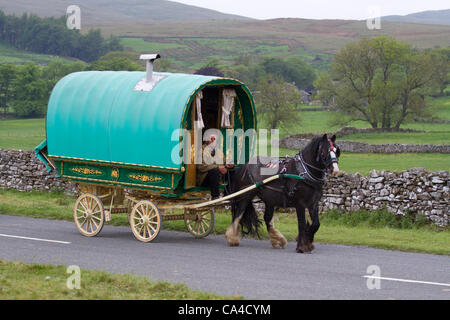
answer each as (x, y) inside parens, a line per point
(145, 178)
(115, 173)
(87, 171)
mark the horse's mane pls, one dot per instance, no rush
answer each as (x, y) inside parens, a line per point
(313, 145)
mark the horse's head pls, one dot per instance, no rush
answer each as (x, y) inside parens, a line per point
(328, 154)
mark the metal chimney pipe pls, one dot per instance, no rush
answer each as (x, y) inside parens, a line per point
(150, 58)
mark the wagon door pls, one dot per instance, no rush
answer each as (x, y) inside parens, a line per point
(191, 169)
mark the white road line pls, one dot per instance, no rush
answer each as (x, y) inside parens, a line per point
(411, 281)
(35, 239)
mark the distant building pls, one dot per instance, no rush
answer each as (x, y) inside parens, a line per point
(307, 94)
(306, 97)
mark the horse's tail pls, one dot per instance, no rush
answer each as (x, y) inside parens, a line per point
(249, 220)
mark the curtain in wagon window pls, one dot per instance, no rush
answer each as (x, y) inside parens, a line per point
(198, 102)
(227, 108)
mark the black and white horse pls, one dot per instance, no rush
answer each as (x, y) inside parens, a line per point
(318, 159)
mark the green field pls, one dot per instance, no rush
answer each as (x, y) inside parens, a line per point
(9, 54)
(192, 53)
(23, 134)
(441, 106)
(432, 137)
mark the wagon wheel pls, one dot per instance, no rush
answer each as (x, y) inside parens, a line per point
(145, 221)
(200, 223)
(89, 214)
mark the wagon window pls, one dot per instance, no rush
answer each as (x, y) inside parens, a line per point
(210, 107)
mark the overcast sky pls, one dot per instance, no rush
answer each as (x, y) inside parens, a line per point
(318, 9)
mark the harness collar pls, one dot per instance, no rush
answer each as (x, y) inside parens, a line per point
(307, 174)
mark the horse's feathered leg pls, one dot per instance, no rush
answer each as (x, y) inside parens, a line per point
(312, 229)
(276, 238)
(302, 238)
(233, 232)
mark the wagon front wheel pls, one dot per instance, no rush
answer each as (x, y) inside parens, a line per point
(145, 221)
(200, 223)
(89, 214)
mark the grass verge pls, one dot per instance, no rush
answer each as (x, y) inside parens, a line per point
(378, 229)
(20, 281)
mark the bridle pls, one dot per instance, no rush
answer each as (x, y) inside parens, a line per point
(328, 157)
(323, 157)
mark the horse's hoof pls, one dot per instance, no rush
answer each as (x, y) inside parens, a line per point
(304, 248)
(233, 242)
(275, 244)
(283, 243)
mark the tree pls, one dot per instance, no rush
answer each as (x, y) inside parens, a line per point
(209, 71)
(292, 70)
(116, 64)
(441, 61)
(378, 80)
(277, 101)
(163, 65)
(31, 93)
(51, 36)
(8, 74)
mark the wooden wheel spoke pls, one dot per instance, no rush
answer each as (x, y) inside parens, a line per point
(96, 225)
(140, 230)
(81, 203)
(204, 223)
(140, 213)
(84, 221)
(97, 218)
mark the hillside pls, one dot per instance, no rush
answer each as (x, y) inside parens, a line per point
(315, 41)
(98, 12)
(321, 35)
(161, 26)
(425, 17)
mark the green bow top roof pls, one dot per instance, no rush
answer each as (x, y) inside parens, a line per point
(97, 115)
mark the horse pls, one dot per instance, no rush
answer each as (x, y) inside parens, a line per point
(313, 164)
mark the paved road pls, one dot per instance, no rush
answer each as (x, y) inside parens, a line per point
(253, 270)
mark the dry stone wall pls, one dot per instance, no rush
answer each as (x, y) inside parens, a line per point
(415, 190)
(21, 170)
(293, 142)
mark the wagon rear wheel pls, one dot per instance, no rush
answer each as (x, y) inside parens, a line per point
(145, 221)
(200, 223)
(89, 214)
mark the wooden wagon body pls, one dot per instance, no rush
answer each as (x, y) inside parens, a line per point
(116, 131)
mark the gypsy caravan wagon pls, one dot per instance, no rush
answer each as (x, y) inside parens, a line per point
(119, 136)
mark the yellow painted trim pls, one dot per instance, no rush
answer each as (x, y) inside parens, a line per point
(113, 183)
(116, 164)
